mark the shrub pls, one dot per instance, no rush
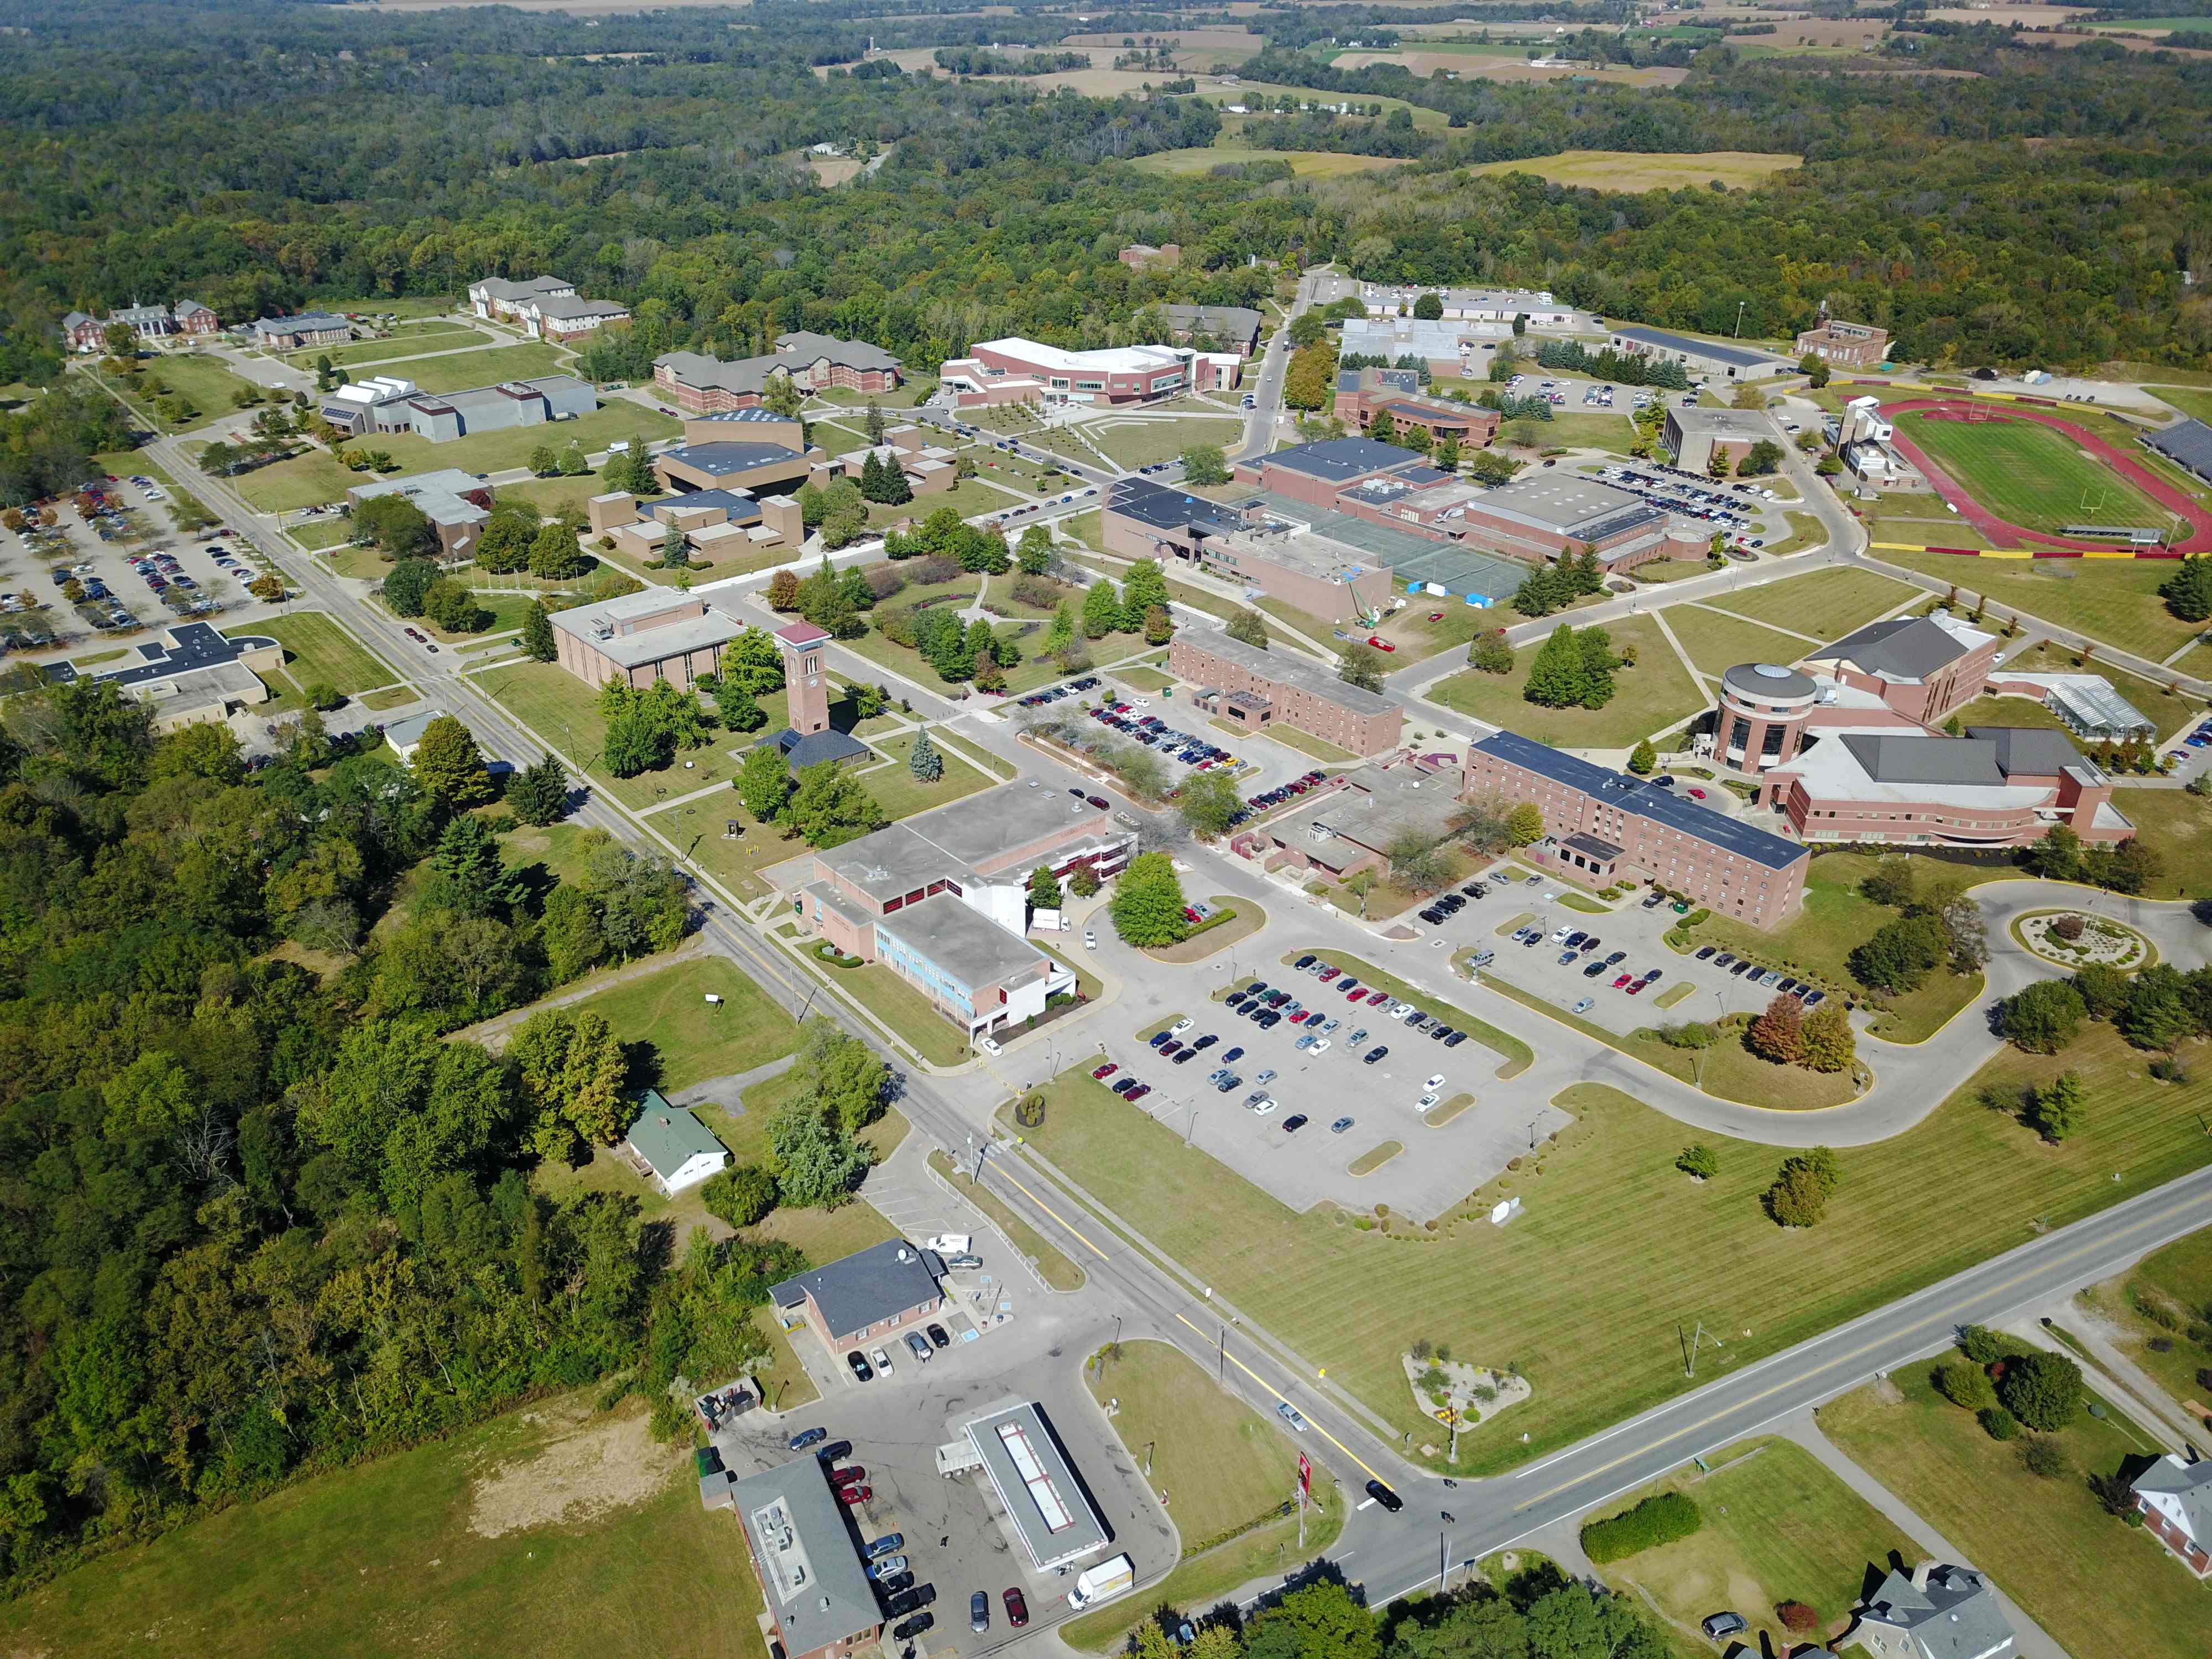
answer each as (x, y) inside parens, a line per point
(1997, 1423)
(2044, 1390)
(1796, 1617)
(2069, 927)
(1030, 1113)
(1966, 1386)
(2043, 1457)
(1981, 1344)
(1698, 1161)
(1659, 1519)
(740, 1195)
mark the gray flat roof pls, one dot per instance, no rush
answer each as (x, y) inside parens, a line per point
(724, 456)
(1907, 647)
(1566, 505)
(817, 1591)
(1162, 509)
(968, 946)
(1633, 794)
(648, 645)
(1287, 667)
(1038, 1485)
(2186, 443)
(1410, 557)
(2031, 751)
(1383, 803)
(1737, 356)
(1339, 459)
(959, 839)
(867, 1287)
(1916, 758)
(1721, 423)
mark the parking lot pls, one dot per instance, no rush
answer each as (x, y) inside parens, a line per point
(1739, 510)
(1619, 966)
(1302, 1080)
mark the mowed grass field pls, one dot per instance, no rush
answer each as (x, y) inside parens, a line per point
(2179, 1277)
(1630, 170)
(1306, 163)
(382, 1558)
(2114, 601)
(693, 1039)
(317, 648)
(1718, 641)
(488, 367)
(415, 339)
(1657, 693)
(1779, 1528)
(2095, 1585)
(1583, 1290)
(1825, 603)
(2026, 472)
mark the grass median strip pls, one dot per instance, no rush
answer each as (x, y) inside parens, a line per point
(1375, 1157)
(1052, 1264)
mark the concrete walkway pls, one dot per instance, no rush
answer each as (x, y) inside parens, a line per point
(728, 1092)
(2033, 1642)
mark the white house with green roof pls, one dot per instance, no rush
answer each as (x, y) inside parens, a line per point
(672, 1145)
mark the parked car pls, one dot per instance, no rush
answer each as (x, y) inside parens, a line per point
(979, 1612)
(806, 1438)
(1340, 1126)
(1721, 1625)
(888, 1544)
(937, 1339)
(857, 1362)
(1018, 1610)
(853, 1497)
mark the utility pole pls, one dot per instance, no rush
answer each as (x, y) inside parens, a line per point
(1696, 1341)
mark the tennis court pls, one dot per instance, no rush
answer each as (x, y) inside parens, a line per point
(1459, 571)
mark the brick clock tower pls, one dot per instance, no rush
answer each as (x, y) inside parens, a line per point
(804, 680)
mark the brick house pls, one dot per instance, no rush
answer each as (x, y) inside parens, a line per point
(2175, 1499)
(862, 1298)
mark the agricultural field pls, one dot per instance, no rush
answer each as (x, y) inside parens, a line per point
(1655, 694)
(493, 1541)
(1588, 1313)
(2027, 473)
(1629, 170)
(1305, 163)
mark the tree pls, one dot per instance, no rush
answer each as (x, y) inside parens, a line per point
(1044, 889)
(741, 1196)
(538, 795)
(1102, 609)
(2043, 1017)
(1035, 553)
(636, 743)
(874, 422)
(2188, 591)
(574, 462)
(1321, 1621)
(1360, 664)
(783, 591)
(1828, 1042)
(1762, 457)
(1159, 626)
(1814, 368)
(504, 544)
(406, 585)
(818, 1167)
(1209, 801)
(1490, 652)
(555, 555)
(448, 766)
(572, 1069)
(1698, 1161)
(1800, 1194)
(781, 396)
(754, 661)
(1147, 906)
(1966, 1386)
(1525, 824)
(829, 807)
(1204, 464)
(924, 761)
(543, 462)
(1560, 678)
(2058, 1106)
(740, 711)
(1382, 428)
(1778, 1034)
(763, 782)
(1084, 884)
(1251, 627)
(2042, 1390)
(1901, 954)
(675, 551)
(1142, 589)
(1644, 759)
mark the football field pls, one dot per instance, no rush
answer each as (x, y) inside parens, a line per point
(2029, 474)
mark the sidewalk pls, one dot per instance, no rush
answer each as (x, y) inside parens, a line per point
(2032, 1641)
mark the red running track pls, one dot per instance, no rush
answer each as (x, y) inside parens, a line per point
(2002, 531)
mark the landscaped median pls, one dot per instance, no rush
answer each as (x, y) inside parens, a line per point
(1232, 919)
(1227, 1475)
(1516, 1055)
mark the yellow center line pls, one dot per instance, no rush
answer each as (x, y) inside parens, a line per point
(1054, 1213)
(1945, 1318)
(1279, 1395)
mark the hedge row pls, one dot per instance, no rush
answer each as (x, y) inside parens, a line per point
(1657, 1520)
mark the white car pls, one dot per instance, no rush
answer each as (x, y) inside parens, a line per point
(1400, 1009)
(883, 1362)
(1319, 1046)
(1264, 1107)
(1430, 1100)
(1181, 1026)
(1560, 938)
(1436, 1082)
(1091, 938)
(988, 1045)
(1141, 703)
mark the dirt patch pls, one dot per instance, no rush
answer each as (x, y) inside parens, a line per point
(606, 1465)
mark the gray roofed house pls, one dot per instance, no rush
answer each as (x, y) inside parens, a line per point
(530, 287)
(815, 747)
(2188, 445)
(805, 346)
(724, 458)
(1936, 1613)
(307, 327)
(1904, 647)
(2175, 1499)
(1236, 326)
(672, 1142)
(404, 737)
(740, 376)
(812, 1579)
(864, 1294)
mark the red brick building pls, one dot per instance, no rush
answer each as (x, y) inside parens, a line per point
(1256, 688)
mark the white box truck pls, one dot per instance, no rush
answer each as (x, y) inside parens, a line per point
(1103, 1583)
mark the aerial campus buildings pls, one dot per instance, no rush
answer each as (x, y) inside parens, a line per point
(1015, 370)
(701, 384)
(384, 403)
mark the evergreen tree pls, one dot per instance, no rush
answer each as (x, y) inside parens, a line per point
(871, 477)
(875, 421)
(538, 795)
(1059, 633)
(1102, 609)
(1644, 759)
(2059, 1107)
(1598, 664)
(1383, 430)
(449, 766)
(2188, 591)
(924, 761)
(1560, 678)
(675, 552)
(537, 635)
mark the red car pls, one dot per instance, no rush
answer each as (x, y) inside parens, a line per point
(1622, 980)
(1106, 1071)
(1697, 794)
(1636, 989)
(1436, 616)
(853, 1497)
(852, 1475)
(1328, 974)
(1018, 1610)
(1139, 1093)
(1380, 643)
(1377, 999)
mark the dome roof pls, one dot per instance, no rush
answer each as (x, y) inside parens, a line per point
(1766, 681)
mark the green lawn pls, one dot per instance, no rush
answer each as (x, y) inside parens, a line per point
(692, 1039)
(1805, 532)
(1290, 737)
(1219, 1464)
(1833, 922)
(2179, 826)
(1051, 1261)
(550, 495)
(2166, 710)
(317, 648)
(1717, 642)
(506, 611)
(1582, 1291)
(565, 711)
(310, 478)
(1778, 1526)
(1655, 694)
(2113, 600)
(410, 341)
(2095, 1585)
(906, 1010)
(968, 497)
(381, 1557)
(2178, 1279)
(316, 538)
(204, 382)
(2190, 400)
(1593, 430)
(1919, 520)
(1034, 670)
(900, 793)
(490, 367)
(1134, 443)
(1825, 603)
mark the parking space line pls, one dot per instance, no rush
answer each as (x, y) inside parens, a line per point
(1281, 1395)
